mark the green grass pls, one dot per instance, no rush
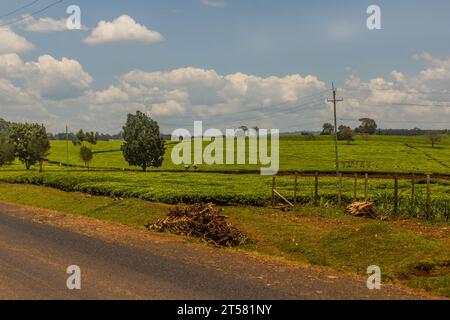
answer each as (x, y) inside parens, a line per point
(317, 236)
(231, 189)
(385, 154)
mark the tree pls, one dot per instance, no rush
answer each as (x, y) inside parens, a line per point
(82, 139)
(7, 151)
(86, 155)
(4, 125)
(328, 129)
(31, 143)
(368, 126)
(143, 145)
(243, 129)
(345, 133)
(85, 137)
(433, 137)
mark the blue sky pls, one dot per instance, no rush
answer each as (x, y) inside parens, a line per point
(328, 40)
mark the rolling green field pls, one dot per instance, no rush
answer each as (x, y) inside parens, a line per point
(171, 184)
(384, 153)
(231, 189)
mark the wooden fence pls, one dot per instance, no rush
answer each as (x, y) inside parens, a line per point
(395, 199)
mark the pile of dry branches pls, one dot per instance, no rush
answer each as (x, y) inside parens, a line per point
(200, 221)
(362, 209)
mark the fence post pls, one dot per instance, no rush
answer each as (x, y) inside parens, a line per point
(366, 187)
(428, 196)
(273, 190)
(316, 188)
(355, 188)
(413, 190)
(295, 188)
(340, 189)
(396, 195)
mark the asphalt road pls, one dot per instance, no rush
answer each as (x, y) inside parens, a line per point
(34, 257)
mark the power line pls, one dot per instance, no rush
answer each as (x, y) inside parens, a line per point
(302, 106)
(411, 91)
(19, 9)
(431, 105)
(334, 100)
(404, 104)
(267, 108)
(400, 121)
(419, 105)
(32, 14)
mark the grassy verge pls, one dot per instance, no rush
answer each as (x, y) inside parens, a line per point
(414, 254)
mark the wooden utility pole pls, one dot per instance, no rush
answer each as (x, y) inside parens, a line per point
(396, 195)
(295, 189)
(366, 187)
(67, 145)
(428, 196)
(274, 185)
(335, 101)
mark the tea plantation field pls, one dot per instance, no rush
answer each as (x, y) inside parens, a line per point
(232, 189)
(382, 153)
(239, 184)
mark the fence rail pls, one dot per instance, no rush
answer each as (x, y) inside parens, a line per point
(397, 195)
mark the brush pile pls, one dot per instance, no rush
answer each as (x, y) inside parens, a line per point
(364, 209)
(201, 221)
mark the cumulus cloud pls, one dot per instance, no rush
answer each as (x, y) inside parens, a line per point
(57, 79)
(186, 94)
(47, 77)
(111, 95)
(121, 30)
(58, 91)
(398, 100)
(12, 42)
(45, 24)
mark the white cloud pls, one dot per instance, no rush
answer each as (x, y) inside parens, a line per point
(121, 30)
(12, 42)
(10, 64)
(167, 108)
(46, 24)
(402, 101)
(47, 77)
(214, 3)
(57, 79)
(111, 95)
(185, 94)
(58, 91)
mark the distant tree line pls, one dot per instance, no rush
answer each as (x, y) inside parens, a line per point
(369, 127)
(408, 132)
(98, 136)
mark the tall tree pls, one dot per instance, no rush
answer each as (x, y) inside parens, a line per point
(368, 126)
(434, 137)
(143, 145)
(85, 137)
(31, 143)
(328, 129)
(86, 155)
(82, 139)
(345, 133)
(4, 125)
(7, 151)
